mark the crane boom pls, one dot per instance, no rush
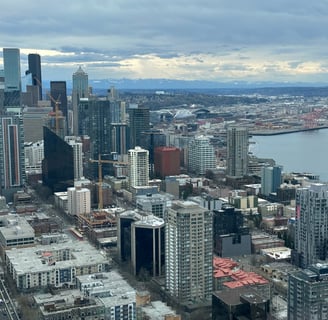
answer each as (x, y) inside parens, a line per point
(56, 102)
(100, 162)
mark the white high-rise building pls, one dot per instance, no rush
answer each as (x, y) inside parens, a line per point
(34, 154)
(76, 144)
(311, 231)
(237, 151)
(188, 251)
(201, 155)
(138, 160)
(78, 201)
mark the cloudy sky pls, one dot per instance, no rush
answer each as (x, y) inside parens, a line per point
(220, 40)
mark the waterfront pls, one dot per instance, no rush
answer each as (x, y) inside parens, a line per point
(305, 151)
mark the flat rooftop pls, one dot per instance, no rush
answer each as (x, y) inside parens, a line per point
(31, 260)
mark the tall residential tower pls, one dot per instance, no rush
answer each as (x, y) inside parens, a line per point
(237, 151)
(201, 155)
(138, 123)
(12, 159)
(311, 231)
(138, 159)
(188, 252)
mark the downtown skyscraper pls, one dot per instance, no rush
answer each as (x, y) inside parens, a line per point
(80, 91)
(12, 76)
(138, 123)
(34, 67)
(58, 93)
(12, 159)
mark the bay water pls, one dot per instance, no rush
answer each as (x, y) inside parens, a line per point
(305, 151)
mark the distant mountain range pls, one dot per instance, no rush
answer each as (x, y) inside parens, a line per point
(240, 87)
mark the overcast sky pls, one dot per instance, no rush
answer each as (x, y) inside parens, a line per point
(220, 40)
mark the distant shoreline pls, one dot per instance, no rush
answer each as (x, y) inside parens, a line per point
(284, 131)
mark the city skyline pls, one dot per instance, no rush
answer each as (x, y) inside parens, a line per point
(216, 41)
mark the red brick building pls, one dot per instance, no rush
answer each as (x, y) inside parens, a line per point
(166, 161)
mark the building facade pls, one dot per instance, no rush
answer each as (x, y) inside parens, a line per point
(311, 229)
(231, 238)
(270, 179)
(156, 204)
(138, 167)
(237, 151)
(188, 251)
(78, 201)
(80, 90)
(201, 155)
(308, 293)
(34, 154)
(119, 132)
(58, 93)
(53, 265)
(58, 162)
(99, 130)
(12, 157)
(167, 161)
(76, 144)
(140, 241)
(34, 67)
(12, 77)
(138, 123)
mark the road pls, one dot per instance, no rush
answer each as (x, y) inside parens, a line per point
(7, 306)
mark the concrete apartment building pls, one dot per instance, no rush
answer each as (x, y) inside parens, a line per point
(98, 296)
(54, 265)
(201, 155)
(308, 293)
(311, 229)
(188, 252)
(138, 167)
(78, 201)
(237, 151)
(15, 232)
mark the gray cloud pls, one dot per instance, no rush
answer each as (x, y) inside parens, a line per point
(185, 35)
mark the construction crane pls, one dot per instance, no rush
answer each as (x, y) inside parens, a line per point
(100, 162)
(57, 103)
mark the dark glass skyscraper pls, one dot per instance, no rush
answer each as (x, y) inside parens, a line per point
(100, 132)
(12, 160)
(58, 92)
(138, 123)
(230, 236)
(58, 162)
(34, 67)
